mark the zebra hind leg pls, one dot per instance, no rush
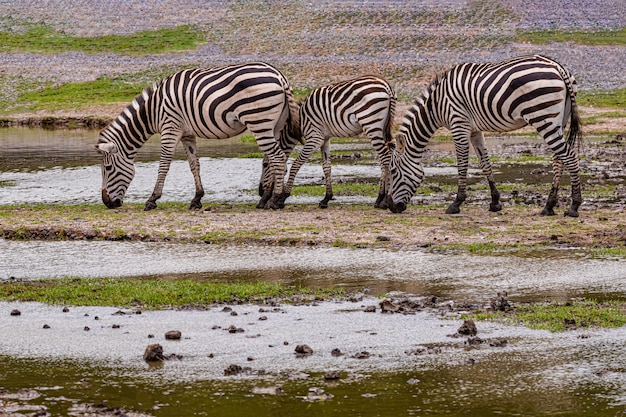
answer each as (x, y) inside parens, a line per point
(553, 196)
(327, 175)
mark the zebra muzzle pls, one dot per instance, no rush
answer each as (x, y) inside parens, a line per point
(108, 202)
(395, 207)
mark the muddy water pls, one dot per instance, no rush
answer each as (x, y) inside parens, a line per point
(460, 276)
(412, 366)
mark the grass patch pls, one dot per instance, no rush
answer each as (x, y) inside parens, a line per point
(583, 37)
(104, 90)
(40, 38)
(603, 98)
(557, 317)
(148, 293)
(344, 189)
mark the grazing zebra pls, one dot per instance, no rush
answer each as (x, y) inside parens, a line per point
(213, 103)
(496, 97)
(345, 109)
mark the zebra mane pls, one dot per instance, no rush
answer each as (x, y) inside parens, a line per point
(421, 100)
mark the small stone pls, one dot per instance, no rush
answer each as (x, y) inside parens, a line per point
(173, 335)
(263, 318)
(331, 376)
(150, 336)
(370, 309)
(336, 352)
(232, 370)
(66, 310)
(86, 328)
(45, 326)
(16, 312)
(115, 326)
(304, 350)
(153, 353)
(468, 328)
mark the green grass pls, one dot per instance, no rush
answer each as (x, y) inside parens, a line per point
(343, 189)
(557, 317)
(104, 90)
(583, 37)
(41, 39)
(149, 294)
(603, 98)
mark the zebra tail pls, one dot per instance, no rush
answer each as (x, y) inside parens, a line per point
(575, 134)
(293, 124)
(389, 123)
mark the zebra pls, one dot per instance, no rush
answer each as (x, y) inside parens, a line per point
(216, 103)
(497, 97)
(344, 109)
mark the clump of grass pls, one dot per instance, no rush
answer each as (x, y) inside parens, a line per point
(558, 317)
(583, 37)
(603, 98)
(42, 39)
(343, 189)
(149, 293)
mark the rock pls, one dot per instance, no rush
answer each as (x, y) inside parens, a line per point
(16, 312)
(468, 328)
(361, 355)
(45, 326)
(387, 306)
(370, 309)
(153, 353)
(173, 335)
(277, 390)
(331, 376)
(499, 343)
(304, 350)
(501, 303)
(336, 352)
(232, 370)
(86, 328)
(233, 329)
(66, 310)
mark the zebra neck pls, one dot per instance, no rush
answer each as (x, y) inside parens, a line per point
(421, 124)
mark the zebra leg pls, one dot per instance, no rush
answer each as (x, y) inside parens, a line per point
(313, 142)
(191, 149)
(478, 142)
(169, 141)
(384, 185)
(327, 174)
(265, 179)
(278, 165)
(557, 168)
(572, 166)
(461, 145)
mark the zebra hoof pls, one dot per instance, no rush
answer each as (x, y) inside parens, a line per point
(150, 205)
(195, 205)
(495, 207)
(570, 213)
(453, 209)
(547, 212)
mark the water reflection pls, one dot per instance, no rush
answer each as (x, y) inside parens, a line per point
(555, 274)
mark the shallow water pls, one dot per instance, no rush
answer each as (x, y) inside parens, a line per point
(577, 373)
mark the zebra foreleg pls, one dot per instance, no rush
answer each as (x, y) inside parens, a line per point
(278, 167)
(191, 149)
(168, 145)
(478, 142)
(327, 175)
(461, 146)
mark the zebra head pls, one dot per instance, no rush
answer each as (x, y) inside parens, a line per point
(406, 175)
(118, 171)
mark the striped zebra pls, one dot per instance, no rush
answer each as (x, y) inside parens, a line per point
(346, 109)
(496, 97)
(215, 103)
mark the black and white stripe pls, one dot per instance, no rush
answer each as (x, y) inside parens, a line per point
(494, 97)
(213, 103)
(347, 109)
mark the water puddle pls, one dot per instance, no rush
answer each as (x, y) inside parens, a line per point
(469, 277)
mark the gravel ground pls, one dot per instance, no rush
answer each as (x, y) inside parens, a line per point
(321, 42)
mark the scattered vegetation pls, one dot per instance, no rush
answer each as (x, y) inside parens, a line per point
(584, 37)
(603, 98)
(558, 317)
(42, 39)
(150, 293)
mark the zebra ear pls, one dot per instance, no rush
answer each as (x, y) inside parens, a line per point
(400, 142)
(106, 147)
